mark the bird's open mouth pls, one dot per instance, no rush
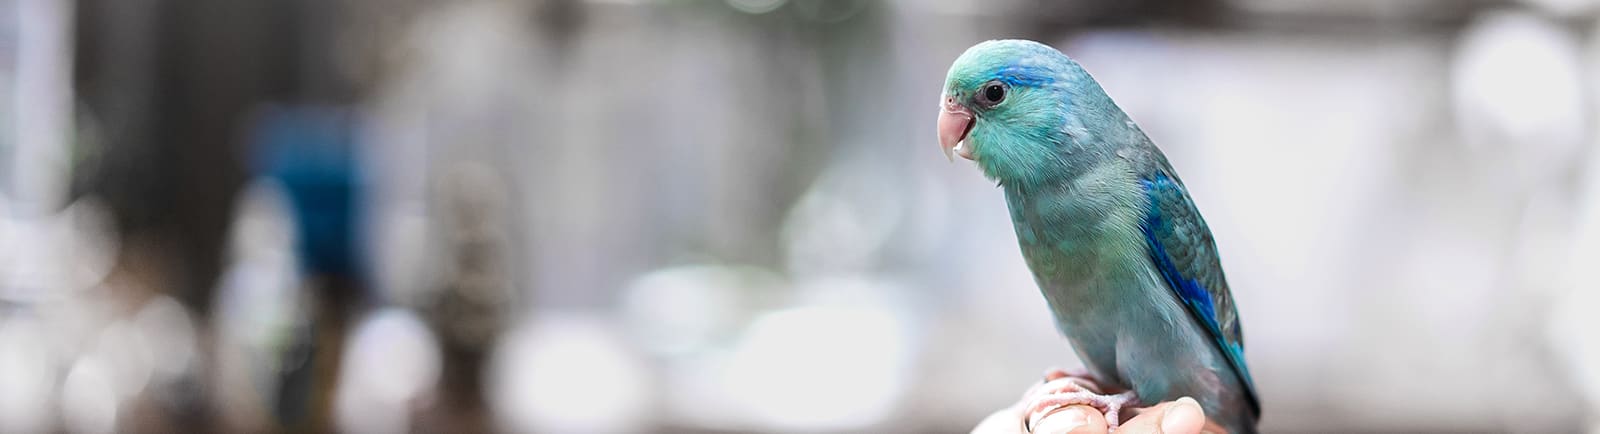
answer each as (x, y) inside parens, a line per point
(955, 122)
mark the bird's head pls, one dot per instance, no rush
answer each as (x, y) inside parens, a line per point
(1011, 105)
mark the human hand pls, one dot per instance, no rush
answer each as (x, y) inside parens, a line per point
(1182, 416)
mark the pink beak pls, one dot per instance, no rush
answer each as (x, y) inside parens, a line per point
(955, 121)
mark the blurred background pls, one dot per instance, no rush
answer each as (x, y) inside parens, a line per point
(732, 216)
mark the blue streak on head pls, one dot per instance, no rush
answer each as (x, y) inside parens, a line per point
(1026, 75)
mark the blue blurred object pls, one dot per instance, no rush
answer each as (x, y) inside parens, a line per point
(311, 152)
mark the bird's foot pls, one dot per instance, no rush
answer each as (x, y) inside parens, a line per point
(1061, 390)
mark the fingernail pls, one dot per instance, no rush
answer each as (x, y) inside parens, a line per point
(1182, 417)
(1063, 420)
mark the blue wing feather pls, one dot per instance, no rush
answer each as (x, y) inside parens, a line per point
(1182, 249)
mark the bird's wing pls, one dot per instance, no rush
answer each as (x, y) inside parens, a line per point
(1182, 249)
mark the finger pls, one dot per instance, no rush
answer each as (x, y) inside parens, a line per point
(1073, 419)
(1183, 416)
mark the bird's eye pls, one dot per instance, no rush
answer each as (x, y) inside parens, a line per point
(991, 94)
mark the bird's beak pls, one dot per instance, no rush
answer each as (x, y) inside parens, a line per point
(955, 121)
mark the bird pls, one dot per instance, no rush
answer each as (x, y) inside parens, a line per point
(1125, 262)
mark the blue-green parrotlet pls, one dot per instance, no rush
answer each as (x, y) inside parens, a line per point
(1124, 260)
